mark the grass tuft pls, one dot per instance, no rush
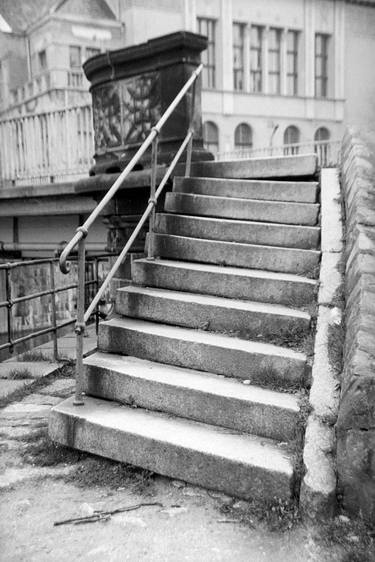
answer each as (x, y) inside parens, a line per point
(19, 373)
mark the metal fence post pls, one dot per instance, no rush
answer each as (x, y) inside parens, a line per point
(80, 324)
(53, 303)
(151, 222)
(8, 289)
(191, 129)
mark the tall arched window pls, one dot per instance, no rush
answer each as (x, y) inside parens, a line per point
(322, 146)
(211, 136)
(322, 134)
(243, 137)
(291, 138)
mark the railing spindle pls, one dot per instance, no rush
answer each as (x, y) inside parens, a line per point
(151, 220)
(53, 304)
(80, 324)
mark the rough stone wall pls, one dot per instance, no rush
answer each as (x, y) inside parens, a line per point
(356, 419)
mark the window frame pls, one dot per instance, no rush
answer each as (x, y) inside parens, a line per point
(292, 54)
(207, 27)
(239, 49)
(321, 57)
(274, 54)
(212, 145)
(243, 145)
(256, 73)
(42, 60)
(78, 50)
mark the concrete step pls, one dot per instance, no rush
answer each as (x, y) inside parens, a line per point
(270, 234)
(304, 165)
(303, 192)
(211, 313)
(191, 394)
(232, 282)
(240, 465)
(242, 209)
(269, 258)
(261, 363)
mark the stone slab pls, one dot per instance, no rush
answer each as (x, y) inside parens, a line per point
(252, 189)
(209, 312)
(61, 387)
(248, 232)
(36, 369)
(325, 386)
(272, 167)
(9, 387)
(240, 465)
(269, 258)
(330, 278)
(215, 353)
(192, 394)
(242, 209)
(331, 218)
(255, 285)
(318, 488)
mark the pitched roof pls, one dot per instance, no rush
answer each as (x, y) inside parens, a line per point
(90, 8)
(20, 14)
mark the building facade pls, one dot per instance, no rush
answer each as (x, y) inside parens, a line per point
(43, 46)
(276, 72)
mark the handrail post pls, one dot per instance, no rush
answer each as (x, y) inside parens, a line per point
(53, 304)
(151, 222)
(9, 308)
(191, 128)
(80, 324)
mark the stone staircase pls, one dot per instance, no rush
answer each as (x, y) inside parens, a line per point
(196, 376)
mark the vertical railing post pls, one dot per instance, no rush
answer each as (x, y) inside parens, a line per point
(80, 324)
(191, 129)
(8, 289)
(96, 285)
(151, 222)
(53, 304)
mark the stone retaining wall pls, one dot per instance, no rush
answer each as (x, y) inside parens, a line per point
(356, 419)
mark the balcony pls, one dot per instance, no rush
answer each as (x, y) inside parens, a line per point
(53, 79)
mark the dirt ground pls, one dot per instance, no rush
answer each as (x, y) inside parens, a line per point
(41, 484)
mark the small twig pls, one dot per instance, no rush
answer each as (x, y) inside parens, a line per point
(104, 515)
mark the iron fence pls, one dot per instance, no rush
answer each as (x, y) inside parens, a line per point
(16, 298)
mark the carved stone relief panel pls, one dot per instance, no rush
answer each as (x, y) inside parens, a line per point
(125, 111)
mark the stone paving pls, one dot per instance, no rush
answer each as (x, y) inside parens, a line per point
(22, 371)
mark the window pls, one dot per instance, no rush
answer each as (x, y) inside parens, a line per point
(75, 59)
(291, 137)
(292, 63)
(321, 134)
(211, 136)
(321, 65)
(274, 60)
(42, 60)
(256, 36)
(207, 27)
(91, 52)
(238, 55)
(243, 138)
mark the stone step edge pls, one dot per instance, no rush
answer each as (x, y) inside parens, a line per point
(210, 300)
(128, 435)
(230, 270)
(191, 394)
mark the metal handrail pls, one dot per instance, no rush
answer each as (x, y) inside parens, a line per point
(82, 231)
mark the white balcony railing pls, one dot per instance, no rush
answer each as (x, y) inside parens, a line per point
(48, 147)
(328, 152)
(54, 78)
